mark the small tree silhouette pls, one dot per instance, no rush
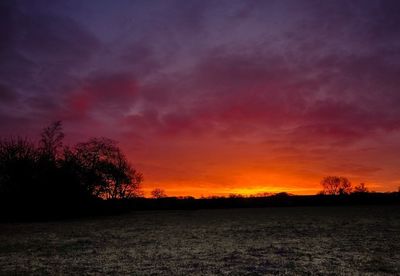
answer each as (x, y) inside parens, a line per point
(158, 193)
(336, 185)
(361, 188)
(235, 195)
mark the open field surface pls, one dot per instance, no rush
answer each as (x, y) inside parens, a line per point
(299, 240)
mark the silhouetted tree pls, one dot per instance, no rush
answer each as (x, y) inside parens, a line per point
(49, 180)
(361, 188)
(262, 194)
(158, 193)
(105, 170)
(18, 159)
(235, 196)
(51, 141)
(52, 176)
(71, 180)
(336, 185)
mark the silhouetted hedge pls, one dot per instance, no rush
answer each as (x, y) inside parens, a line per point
(174, 203)
(52, 180)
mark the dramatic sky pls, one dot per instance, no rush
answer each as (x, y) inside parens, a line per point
(213, 97)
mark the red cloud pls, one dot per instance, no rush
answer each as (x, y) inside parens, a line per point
(104, 93)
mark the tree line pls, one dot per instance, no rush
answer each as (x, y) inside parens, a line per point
(49, 177)
(331, 185)
(339, 185)
(49, 171)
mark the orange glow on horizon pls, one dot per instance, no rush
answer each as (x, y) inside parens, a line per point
(219, 166)
(254, 188)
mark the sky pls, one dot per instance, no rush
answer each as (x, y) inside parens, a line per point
(213, 97)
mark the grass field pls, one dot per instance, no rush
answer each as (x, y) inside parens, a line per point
(299, 240)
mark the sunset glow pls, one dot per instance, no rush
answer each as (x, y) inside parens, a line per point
(213, 97)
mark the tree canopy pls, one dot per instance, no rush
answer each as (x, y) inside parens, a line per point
(50, 171)
(336, 185)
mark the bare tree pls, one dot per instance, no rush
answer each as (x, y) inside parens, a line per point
(51, 140)
(16, 149)
(361, 188)
(54, 177)
(158, 193)
(262, 194)
(336, 185)
(235, 195)
(125, 180)
(106, 171)
(18, 158)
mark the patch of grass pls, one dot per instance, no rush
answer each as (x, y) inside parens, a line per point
(287, 241)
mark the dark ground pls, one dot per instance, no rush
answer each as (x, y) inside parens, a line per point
(351, 240)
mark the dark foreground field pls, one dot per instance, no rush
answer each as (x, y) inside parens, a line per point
(298, 240)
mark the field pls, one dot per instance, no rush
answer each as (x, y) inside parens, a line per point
(293, 240)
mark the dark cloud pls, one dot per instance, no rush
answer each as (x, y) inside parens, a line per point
(40, 54)
(45, 42)
(141, 59)
(7, 94)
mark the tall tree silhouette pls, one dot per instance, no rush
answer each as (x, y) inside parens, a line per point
(18, 159)
(51, 141)
(49, 181)
(105, 169)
